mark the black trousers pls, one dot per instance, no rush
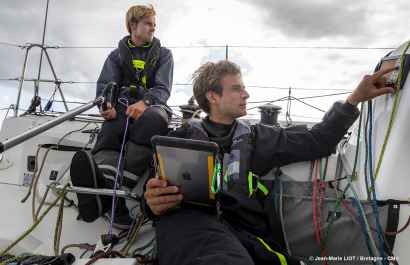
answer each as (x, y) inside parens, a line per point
(187, 236)
(154, 121)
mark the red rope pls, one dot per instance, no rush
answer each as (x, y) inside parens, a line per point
(314, 211)
(144, 260)
(322, 188)
(386, 233)
(102, 255)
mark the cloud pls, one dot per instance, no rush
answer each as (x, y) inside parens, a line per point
(185, 23)
(307, 20)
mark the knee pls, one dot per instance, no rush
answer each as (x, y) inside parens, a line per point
(154, 116)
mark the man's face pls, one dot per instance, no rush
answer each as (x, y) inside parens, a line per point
(143, 32)
(232, 103)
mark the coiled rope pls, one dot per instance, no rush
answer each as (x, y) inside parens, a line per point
(36, 223)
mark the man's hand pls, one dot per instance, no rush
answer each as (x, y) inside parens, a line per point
(109, 114)
(371, 86)
(160, 197)
(135, 110)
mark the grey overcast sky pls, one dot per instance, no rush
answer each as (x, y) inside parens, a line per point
(266, 38)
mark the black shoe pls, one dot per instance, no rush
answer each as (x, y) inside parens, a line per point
(122, 219)
(85, 173)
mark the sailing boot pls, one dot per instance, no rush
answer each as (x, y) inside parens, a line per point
(122, 219)
(107, 161)
(85, 173)
(137, 160)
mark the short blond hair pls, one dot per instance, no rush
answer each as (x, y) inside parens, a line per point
(208, 77)
(136, 13)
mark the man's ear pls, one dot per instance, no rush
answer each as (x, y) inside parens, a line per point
(210, 96)
(132, 25)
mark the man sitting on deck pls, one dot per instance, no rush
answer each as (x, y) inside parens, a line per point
(143, 70)
(233, 234)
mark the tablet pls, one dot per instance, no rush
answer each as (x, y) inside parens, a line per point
(188, 164)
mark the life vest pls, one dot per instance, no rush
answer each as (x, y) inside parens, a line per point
(238, 167)
(138, 73)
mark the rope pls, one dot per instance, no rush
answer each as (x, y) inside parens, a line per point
(35, 224)
(374, 229)
(312, 166)
(344, 191)
(375, 210)
(366, 229)
(91, 247)
(33, 202)
(59, 225)
(86, 246)
(34, 174)
(102, 255)
(14, 259)
(281, 219)
(274, 188)
(392, 113)
(315, 215)
(344, 205)
(134, 233)
(114, 201)
(44, 198)
(143, 247)
(322, 188)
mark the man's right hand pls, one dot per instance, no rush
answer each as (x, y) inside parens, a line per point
(109, 114)
(160, 197)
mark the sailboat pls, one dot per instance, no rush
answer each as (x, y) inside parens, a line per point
(350, 208)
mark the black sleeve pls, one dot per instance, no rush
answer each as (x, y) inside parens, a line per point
(144, 206)
(278, 147)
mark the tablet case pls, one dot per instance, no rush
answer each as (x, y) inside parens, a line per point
(188, 164)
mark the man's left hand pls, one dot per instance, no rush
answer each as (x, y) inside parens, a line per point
(135, 110)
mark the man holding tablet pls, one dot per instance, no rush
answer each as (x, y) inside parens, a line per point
(231, 233)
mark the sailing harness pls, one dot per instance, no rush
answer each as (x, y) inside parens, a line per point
(139, 74)
(238, 176)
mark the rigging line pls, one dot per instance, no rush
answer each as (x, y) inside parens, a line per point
(240, 46)
(285, 98)
(299, 116)
(281, 99)
(301, 88)
(281, 114)
(216, 46)
(307, 104)
(253, 86)
(9, 44)
(42, 51)
(275, 87)
(49, 81)
(83, 47)
(314, 47)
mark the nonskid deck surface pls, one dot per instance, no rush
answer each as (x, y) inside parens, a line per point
(17, 220)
